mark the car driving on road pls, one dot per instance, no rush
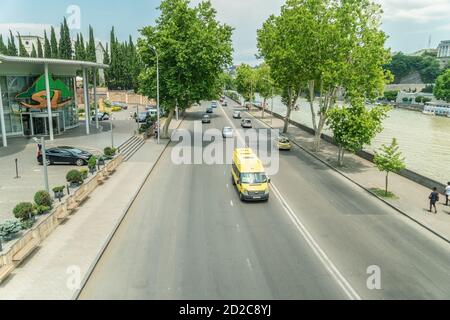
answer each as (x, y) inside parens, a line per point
(246, 124)
(65, 155)
(214, 104)
(227, 132)
(102, 116)
(283, 143)
(206, 119)
(236, 115)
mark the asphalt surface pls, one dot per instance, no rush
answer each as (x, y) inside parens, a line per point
(188, 236)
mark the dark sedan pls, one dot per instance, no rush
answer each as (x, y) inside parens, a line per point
(65, 155)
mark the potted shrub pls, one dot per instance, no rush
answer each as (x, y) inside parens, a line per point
(24, 211)
(92, 164)
(43, 198)
(109, 152)
(84, 173)
(75, 178)
(101, 161)
(9, 229)
(59, 192)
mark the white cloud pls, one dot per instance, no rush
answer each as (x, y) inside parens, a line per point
(421, 11)
(35, 29)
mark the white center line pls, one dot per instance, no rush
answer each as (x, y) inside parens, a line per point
(231, 202)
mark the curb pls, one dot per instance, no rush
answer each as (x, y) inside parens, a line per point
(94, 264)
(362, 187)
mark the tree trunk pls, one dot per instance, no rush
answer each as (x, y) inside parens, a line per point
(165, 133)
(288, 117)
(387, 184)
(263, 108)
(311, 85)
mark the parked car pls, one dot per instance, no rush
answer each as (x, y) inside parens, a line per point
(246, 123)
(65, 155)
(227, 132)
(102, 116)
(224, 104)
(206, 119)
(209, 110)
(236, 114)
(283, 143)
(142, 117)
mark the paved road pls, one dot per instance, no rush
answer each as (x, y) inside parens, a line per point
(189, 237)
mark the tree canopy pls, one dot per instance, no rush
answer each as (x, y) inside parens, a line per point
(426, 65)
(193, 49)
(442, 87)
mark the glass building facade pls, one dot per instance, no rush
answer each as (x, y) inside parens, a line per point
(20, 120)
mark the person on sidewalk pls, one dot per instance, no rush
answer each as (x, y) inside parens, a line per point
(447, 194)
(434, 198)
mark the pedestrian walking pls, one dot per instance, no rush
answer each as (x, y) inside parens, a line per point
(447, 194)
(434, 198)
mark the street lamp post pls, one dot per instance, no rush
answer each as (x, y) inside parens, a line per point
(41, 143)
(157, 92)
(112, 132)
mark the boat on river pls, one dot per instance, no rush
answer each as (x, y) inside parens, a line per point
(437, 110)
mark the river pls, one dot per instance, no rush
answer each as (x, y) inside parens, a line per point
(424, 140)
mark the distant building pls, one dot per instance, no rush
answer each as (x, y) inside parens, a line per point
(444, 52)
(29, 41)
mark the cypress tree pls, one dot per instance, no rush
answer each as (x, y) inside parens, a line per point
(65, 44)
(33, 53)
(54, 44)
(47, 47)
(40, 54)
(106, 61)
(22, 51)
(12, 49)
(3, 47)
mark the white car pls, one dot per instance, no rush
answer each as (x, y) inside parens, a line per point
(236, 115)
(227, 132)
(246, 124)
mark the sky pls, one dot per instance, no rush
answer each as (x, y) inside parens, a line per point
(408, 23)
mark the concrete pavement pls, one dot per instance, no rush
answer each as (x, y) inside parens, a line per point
(67, 255)
(198, 241)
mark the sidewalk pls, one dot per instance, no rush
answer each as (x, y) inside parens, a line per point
(412, 197)
(70, 252)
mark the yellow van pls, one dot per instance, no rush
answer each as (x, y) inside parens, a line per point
(249, 176)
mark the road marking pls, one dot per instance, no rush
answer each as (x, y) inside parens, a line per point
(238, 227)
(328, 264)
(249, 264)
(228, 186)
(231, 202)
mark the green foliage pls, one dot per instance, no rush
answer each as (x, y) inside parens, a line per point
(47, 46)
(227, 82)
(23, 211)
(9, 229)
(331, 47)
(53, 44)
(12, 49)
(355, 126)
(193, 49)
(389, 159)
(65, 42)
(422, 99)
(27, 224)
(402, 65)
(40, 53)
(92, 163)
(110, 152)
(40, 210)
(390, 95)
(3, 47)
(84, 173)
(442, 87)
(22, 51)
(74, 177)
(59, 189)
(43, 198)
(33, 53)
(246, 82)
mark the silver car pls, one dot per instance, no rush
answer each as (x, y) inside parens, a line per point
(246, 123)
(227, 132)
(236, 115)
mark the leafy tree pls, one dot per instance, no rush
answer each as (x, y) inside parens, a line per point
(53, 44)
(80, 50)
(264, 84)
(22, 51)
(227, 82)
(193, 49)
(427, 66)
(12, 49)
(442, 87)
(47, 46)
(40, 54)
(246, 82)
(65, 42)
(33, 53)
(389, 159)
(355, 126)
(3, 47)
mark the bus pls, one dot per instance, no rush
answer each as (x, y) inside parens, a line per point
(249, 176)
